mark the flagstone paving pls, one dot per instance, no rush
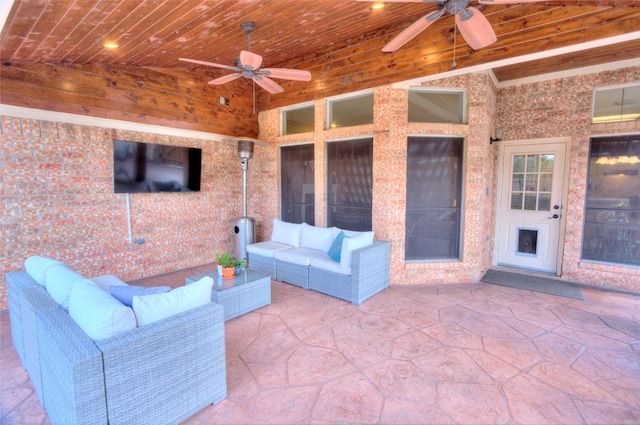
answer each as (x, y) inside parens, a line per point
(442, 354)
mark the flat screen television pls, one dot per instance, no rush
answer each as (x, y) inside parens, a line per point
(149, 167)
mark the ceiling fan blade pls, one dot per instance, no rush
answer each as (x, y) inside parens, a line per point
(286, 74)
(399, 1)
(268, 84)
(251, 60)
(217, 65)
(475, 28)
(508, 1)
(411, 31)
(225, 79)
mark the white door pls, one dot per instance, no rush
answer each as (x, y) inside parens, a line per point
(530, 204)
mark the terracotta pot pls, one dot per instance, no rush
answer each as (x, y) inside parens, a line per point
(228, 272)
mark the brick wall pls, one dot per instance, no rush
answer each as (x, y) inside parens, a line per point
(58, 202)
(562, 108)
(390, 130)
(553, 108)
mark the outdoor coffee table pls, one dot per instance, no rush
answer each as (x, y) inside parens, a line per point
(248, 291)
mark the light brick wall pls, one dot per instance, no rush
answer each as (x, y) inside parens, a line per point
(554, 108)
(58, 199)
(562, 108)
(389, 131)
(58, 202)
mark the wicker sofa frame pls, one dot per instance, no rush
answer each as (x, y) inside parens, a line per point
(160, 373)
(369, 273)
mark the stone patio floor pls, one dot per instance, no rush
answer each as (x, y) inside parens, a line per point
(419, 354)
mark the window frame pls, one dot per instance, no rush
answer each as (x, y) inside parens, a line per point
(602, 120)
(330, 221)
(281, 183)
(284, 111)
(459, 200)
(463, 106)
(343, 98)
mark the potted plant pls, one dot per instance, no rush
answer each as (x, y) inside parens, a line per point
(228, 264)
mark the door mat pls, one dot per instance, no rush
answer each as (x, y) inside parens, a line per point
(533, 283)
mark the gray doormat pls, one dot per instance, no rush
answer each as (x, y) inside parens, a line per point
(533, 283)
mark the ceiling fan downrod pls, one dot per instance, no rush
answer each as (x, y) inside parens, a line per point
(248, 27)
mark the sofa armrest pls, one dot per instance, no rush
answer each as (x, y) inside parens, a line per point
(166, 371)
(369, 270)
(71, 371)
(17, 284)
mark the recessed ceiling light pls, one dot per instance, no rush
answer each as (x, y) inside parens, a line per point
(110, 45)
(377, 6)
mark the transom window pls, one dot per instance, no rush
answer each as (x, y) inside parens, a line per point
(297, 120)
(616, 104)
(438, 106)
(351, 111)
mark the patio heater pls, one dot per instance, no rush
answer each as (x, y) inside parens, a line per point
(245, 226)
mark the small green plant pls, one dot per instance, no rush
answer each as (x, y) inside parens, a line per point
(226, 260)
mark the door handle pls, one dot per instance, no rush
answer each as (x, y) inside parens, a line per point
(554, 216)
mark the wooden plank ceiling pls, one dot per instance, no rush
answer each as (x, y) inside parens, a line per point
(53, 53)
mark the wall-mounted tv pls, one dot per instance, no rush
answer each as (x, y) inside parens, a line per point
(149, 167)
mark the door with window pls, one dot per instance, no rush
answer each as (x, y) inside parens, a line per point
(530, 205)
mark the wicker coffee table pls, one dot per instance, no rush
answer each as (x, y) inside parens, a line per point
(248, 291)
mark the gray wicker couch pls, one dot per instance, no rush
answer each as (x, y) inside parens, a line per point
(301, 260)
(159, 373)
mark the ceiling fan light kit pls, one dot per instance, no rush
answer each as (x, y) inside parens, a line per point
(249, 65)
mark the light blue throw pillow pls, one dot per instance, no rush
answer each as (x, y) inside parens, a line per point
(125, 293)
(336, 247)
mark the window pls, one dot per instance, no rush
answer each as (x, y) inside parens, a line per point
(298, 120)
(612, 216)
(437, 106)
(296, 180)
(434, 190)
(347, 112)
(617, 104)
(531, 182)
(350, 184)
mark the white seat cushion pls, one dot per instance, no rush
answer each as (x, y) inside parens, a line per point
(300, 256)
(326, 263)
(151, 308)
(267, 248)
(97, 313)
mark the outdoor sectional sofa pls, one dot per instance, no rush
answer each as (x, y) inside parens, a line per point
(160, 372)
(345, 264)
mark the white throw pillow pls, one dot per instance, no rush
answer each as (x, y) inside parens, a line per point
(97, 313)
(353, 243)
(59, 282)
(37, 267)
(151, 308)
(319, 238)
(288, 233)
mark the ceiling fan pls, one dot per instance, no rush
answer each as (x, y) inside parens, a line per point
(473, 25)
(249, 65)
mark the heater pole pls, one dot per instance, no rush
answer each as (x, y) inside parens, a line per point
(245, 165)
